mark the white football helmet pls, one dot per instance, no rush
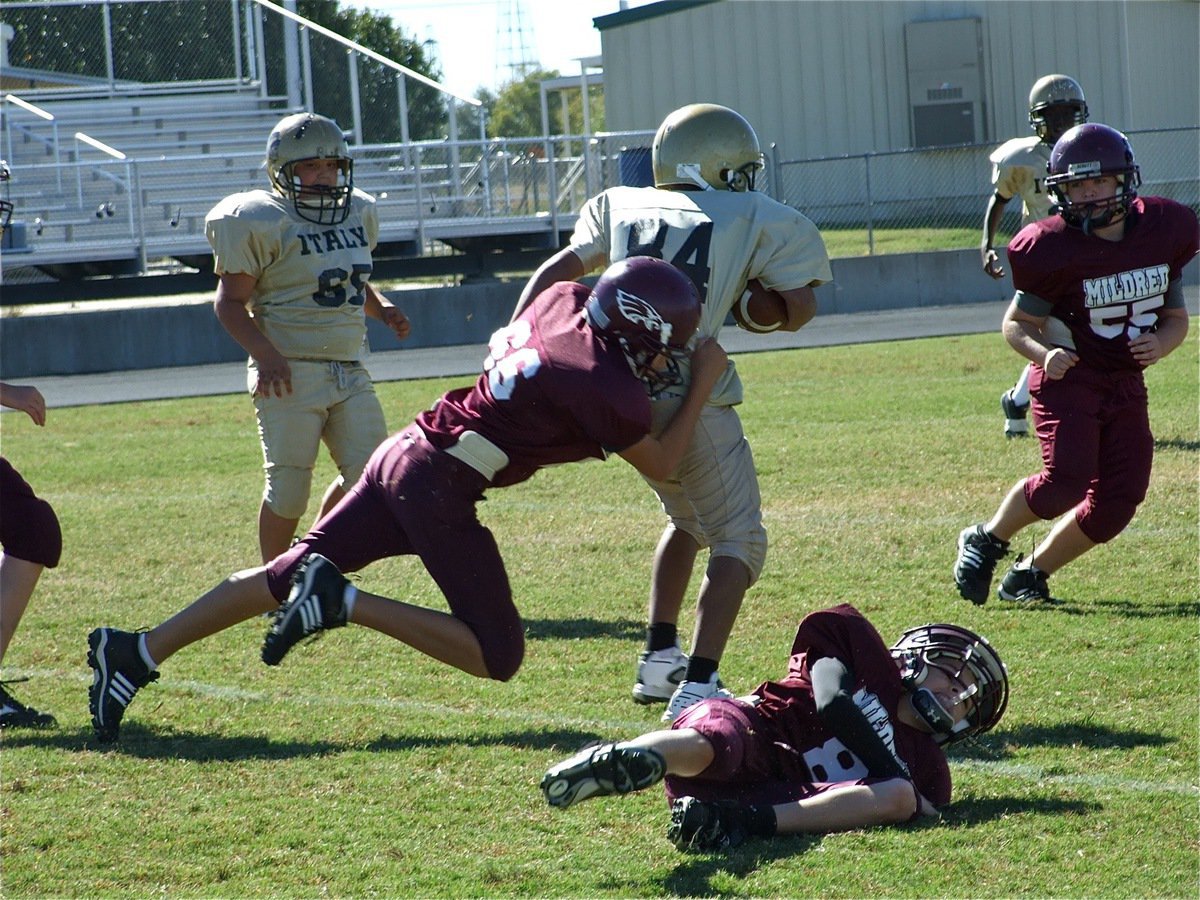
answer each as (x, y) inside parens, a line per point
(708, 146)
(307, 136)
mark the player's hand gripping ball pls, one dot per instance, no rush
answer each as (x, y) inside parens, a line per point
(759, 310)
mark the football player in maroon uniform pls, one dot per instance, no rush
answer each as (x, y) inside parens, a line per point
(31, 539)
(1098, 299)
(1056, 103)
(852, 736)
(568, 380)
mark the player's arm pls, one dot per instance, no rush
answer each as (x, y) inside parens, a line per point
(562, 266)
(833, 683)
(234, 290)
(1169, 332)
(801, 307)
(991, 220)
(657, 457)
(380, 307)
(1022, 328)
(850, 806)
(26, 398)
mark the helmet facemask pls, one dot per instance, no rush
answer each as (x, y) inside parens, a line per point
(318, 203)
(955, 651)
(302, 137)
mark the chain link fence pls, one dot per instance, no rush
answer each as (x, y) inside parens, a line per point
(935, 198)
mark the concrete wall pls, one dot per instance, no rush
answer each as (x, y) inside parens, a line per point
(106, 340)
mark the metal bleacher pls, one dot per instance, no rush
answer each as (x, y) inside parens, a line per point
(121, 184)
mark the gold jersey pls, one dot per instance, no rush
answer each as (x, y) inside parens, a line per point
(311, 278)
(721, 239)
(1019, 170)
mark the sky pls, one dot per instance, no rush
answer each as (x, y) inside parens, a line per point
(474, 36)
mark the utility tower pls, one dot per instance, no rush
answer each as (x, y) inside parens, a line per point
(514, 52)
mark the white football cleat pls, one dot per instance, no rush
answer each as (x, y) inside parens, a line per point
(659, 673)
(690, 693)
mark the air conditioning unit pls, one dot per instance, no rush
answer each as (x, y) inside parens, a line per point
(945, 81)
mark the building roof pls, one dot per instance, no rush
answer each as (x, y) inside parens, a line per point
(649, 11)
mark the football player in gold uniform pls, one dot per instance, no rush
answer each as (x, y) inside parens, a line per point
(1056, 103)
(294, 263)
(704, 216)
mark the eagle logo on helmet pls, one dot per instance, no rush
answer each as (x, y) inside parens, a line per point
(639, 312)
(651, 310)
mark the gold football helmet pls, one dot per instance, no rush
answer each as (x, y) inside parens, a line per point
(307, 136)
(1051, 91)
(707, 146)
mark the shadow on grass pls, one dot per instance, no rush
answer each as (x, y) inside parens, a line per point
(694, 874)
(1000, 744)
(165, 742)
(558, 629)
(1129, 609)
(989, 809)
(1177, 444)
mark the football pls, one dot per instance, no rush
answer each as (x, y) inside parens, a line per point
(759, 310)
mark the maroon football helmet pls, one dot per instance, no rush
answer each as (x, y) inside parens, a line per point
(953, 649)
(649, 308)
(1089, 151)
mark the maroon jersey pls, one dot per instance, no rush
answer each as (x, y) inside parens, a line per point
(1107, 292)
(551, 392)
(787, 708)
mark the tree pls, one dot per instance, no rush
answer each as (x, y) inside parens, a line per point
(517, 111)
(377, 83)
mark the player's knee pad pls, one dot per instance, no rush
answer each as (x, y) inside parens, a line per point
(40, 539)
(1103, 521)
(287, 491)
(749, 547)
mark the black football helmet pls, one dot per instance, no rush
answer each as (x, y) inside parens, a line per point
(307, 136)
(6, 205)
(1089, 151)
(650, 308)
(953, 649)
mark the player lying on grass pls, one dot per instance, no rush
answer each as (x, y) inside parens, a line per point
(851, 737)
(568, 380)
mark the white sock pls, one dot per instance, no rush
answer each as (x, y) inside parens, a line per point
(145, 654)
(1020, 391)
(348, 598)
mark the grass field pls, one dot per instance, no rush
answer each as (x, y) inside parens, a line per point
(359, 768)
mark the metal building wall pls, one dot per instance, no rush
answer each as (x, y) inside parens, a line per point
(828, 77)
